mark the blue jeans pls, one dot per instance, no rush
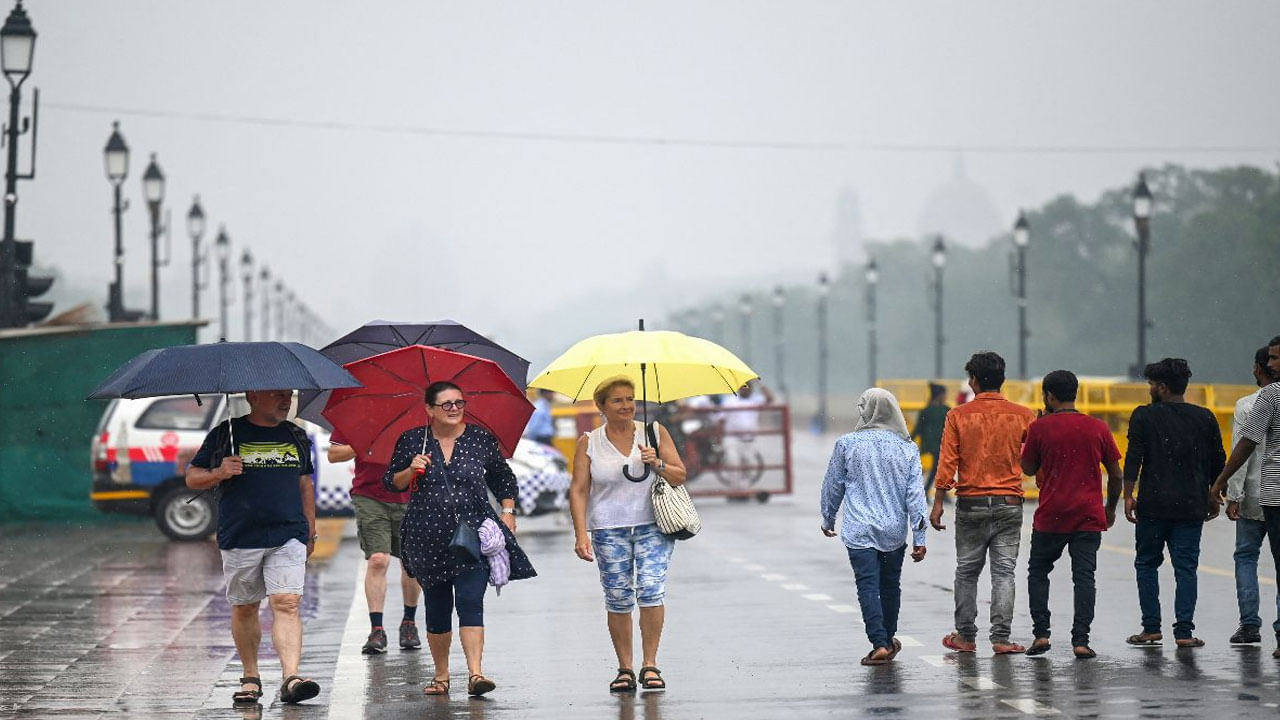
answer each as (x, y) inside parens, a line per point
(1182, 537)
(879, 579)
(1249, 537)
(633, 565)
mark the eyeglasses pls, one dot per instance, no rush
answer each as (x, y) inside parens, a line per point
(452, 404)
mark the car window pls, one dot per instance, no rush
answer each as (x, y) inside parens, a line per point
(176, 413)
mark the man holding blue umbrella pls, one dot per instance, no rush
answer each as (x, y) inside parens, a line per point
(261, 465)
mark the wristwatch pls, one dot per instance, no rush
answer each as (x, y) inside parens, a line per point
(315, 537)
(508, 511)
(662, 465)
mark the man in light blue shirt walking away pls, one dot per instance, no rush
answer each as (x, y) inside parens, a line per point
(875, 480)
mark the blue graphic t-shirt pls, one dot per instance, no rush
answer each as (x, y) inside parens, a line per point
(262, 507)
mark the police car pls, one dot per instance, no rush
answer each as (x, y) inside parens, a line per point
(141, 449)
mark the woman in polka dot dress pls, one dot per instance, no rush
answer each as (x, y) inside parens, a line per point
(449, 482)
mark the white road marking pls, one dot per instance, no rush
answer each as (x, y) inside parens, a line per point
(753, 567)
(737, 560)
(795, 586)
(908, 641)
(982, 682)
(346, 700)
(817, 597)
(773, 577)
(934, 660)
(1030, 706)
(843, 608)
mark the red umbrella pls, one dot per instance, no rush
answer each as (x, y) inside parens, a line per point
(393, 398)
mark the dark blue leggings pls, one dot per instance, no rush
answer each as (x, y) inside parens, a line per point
(466, 590)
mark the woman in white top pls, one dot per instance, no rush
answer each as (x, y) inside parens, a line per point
(614, 526)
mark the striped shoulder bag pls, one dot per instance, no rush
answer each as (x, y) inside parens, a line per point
(673, 509)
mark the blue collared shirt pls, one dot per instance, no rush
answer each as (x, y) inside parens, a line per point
(541, 424)
(875, 477)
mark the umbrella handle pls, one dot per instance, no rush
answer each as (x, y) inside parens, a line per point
(626, 472)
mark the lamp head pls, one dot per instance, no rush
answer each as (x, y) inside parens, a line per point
(939, 254)
(17, 45)
(116, 156)
(153, 182)
(1142, 198)
(1021, 231)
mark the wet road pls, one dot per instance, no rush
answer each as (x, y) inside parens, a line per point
(762, 623)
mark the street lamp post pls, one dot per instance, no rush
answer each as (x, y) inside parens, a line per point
(744, 308)
(264, 285)
(939, 258)
(873, 279)
(820, 416)
(1142, 221)
(116, 159)
(279, 296)
(153, 191)
(717, 317)
(222, 245)
(246, 274)
(195, 229)
(17, 49)
(1021, 237)
(779, 347)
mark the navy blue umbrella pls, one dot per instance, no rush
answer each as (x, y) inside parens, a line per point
(382, 336)
(225, 367)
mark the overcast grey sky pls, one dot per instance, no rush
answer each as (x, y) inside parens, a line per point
(523, 167)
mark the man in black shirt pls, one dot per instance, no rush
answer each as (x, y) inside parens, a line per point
(1175, 453)
(262, 467)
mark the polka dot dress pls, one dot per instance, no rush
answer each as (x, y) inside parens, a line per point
(433, 513)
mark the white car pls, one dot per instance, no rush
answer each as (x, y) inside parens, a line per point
(141, 450)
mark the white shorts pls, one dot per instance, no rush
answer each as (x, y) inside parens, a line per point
(254, 573)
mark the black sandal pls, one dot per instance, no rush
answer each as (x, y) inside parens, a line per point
(1039, 648)
(248, 697)
(303, 689)
(478, 685)
(625, 681)
(651, 678)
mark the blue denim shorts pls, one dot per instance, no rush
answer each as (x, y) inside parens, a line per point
(633, 565)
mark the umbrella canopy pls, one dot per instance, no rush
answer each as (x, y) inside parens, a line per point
(393, 398)
(225, 367)
(382, 336)
(676, 366)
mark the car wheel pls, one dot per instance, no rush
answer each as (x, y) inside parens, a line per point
(183, 520)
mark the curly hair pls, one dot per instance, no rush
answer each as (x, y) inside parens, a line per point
(1173, 372)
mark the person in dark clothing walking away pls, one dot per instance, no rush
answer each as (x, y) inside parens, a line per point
(1175, 452)
(1260, 427)
(1063, 451)
(928, 430)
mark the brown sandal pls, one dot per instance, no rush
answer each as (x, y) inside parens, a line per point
(479, 685)
(248, 697)
(625, 681)
(437, 687)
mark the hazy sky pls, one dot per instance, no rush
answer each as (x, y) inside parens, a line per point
(524, 167)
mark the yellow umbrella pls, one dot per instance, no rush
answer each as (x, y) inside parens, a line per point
(664, 365)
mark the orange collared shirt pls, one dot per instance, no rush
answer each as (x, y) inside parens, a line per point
(982, 441)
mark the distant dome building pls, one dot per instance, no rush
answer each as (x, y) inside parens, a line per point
(962, 211)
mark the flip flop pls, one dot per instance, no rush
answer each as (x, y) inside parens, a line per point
(1088, 653)
(1007, 649)
(303, 689)
(952, 642)
(897, 648)
(1140, 641)
(1039, 648)
(1193, 642)
(870, 660)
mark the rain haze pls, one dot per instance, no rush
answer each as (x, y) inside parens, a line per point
(543, 171)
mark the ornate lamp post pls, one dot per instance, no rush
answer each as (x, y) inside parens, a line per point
(153, 191)
(264, 284)
(779, 347)
(17, 50)
(938, 257)
(824, 290)
(744, 309)
(872, 276)
(116, 159)
(1142, 222)
(222, 245)
(195, 229)
(1021, 238)
(246, 274)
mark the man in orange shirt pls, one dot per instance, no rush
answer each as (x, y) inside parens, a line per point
(980, 458)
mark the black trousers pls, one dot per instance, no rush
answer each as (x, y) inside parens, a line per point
(1046, 549)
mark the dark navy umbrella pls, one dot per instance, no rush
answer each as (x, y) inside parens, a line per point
(225, 367)
(382, 336)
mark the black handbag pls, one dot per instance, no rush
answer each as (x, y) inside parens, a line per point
(465, 544)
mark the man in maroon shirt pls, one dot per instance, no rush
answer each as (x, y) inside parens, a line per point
(1063, 451)
(378, 515)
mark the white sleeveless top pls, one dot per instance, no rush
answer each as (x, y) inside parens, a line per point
(616, 501)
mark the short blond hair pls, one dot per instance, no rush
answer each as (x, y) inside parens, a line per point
(607, 385)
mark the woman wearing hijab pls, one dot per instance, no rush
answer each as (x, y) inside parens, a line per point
(875, 478)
